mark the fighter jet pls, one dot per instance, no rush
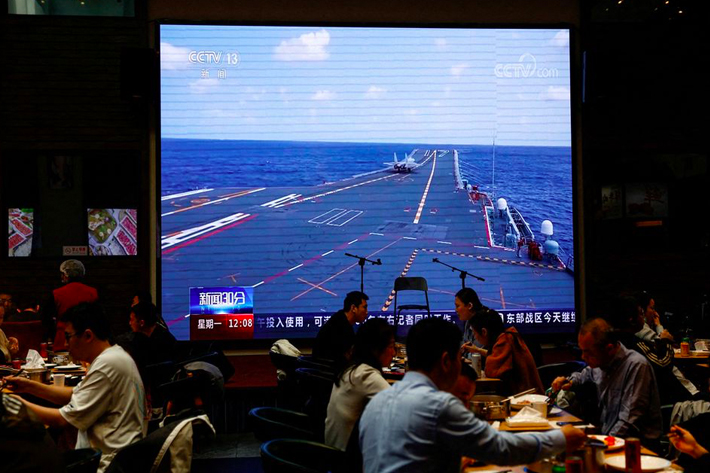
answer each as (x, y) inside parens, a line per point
(405, 165)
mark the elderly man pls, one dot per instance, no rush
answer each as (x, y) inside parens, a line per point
(108, 407)
(626, 385)
(72, 293)
(417, 425)
(335, 339)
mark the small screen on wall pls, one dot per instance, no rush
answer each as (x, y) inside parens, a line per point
(112, 232)
(20, 228)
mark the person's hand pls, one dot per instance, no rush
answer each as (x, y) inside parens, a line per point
(19, 384)
(13, 345)
(560, 383)
(685, 442)
(666, 335)
(575, 437)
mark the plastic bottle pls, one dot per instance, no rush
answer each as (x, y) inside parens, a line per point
(685, 347)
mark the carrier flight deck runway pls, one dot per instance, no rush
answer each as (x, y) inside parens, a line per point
(290, 244)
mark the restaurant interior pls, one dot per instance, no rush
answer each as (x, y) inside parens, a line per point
(82, 116)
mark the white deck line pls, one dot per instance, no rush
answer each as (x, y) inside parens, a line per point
(184, 194)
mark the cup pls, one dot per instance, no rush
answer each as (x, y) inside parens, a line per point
(59, 379)
(541, 407)
(17, 364)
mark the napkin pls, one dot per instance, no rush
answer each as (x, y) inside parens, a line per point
(527, 417)
(34, 360)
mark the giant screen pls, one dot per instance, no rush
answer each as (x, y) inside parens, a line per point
(287, 153)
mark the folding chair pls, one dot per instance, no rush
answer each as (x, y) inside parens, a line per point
(411, 284)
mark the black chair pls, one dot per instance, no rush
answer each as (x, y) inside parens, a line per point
(316, 386)
(287, 390)
(321, 364)
(411, 284)
(548, 373)
(269, 423)
(83, 460)
(300, 456)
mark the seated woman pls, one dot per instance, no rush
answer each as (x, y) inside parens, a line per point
(506, 355)
(8, 346)
(360, 381)
(467, 306)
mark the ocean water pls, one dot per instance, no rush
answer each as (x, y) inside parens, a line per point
(536, 180)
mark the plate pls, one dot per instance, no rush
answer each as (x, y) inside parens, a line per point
(68, 367)
(618, 442)
(648, 463)
(527, 400)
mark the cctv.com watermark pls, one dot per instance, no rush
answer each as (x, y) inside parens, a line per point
(525, 67)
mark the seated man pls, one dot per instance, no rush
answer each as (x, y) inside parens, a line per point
(627, 318)
(160, 342)
(72, 293)
(417, 425)
(626, 385)
(108, 406)
(335, 339)
(465, 387)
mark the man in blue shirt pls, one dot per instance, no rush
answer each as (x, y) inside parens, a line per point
(416, 426)
(625, 383)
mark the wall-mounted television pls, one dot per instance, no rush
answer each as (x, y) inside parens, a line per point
(286, 149)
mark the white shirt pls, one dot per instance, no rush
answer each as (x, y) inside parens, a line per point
(109, 405)
(347, 402)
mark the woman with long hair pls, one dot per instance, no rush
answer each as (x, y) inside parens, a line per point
(507, 356)
(359, 381)
(467, 306)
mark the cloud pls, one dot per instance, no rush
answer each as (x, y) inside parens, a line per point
(323, 95)
(173, 57)
(202, 86)
(561, 39)
(458, 69)
(307, 47)
(375, 92)
(555, 93)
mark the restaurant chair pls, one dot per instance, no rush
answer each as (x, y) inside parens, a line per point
(321, 364)
(316, 386)
(411, 284)
(269, 423)
(83, 460)
(29, 335)
(287, 390)
(300, 456)
(169, 448)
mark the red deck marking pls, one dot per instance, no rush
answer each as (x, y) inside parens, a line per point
(316, 286)
(206, 235)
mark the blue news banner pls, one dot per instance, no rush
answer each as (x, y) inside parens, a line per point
(227, 313)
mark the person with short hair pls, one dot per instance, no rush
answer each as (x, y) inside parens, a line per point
(362, 379)
(506, 355)
(652, 328)
(465, 387)
(418, 425)
(108, 406)
(335, 339)
(626, 385)
(160, 342)
(72, 293)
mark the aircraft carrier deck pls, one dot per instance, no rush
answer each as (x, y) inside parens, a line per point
(289, 243)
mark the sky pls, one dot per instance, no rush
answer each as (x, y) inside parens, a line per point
(366, 85)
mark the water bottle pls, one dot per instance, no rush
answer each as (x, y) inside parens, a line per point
(476, 363)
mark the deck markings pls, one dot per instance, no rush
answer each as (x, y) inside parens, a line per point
(426, 191)
(334, 191)
(184, 194)
(295, 267)
(316, 286)
(347, 268)
(223, 199)
(192, 235)
(275, 203)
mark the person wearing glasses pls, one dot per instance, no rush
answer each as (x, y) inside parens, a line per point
(108, 406)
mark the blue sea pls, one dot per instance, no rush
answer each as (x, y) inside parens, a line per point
(536, 180)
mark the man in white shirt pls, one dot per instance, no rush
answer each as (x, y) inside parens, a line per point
(108, 407)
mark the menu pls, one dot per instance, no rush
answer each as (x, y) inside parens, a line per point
(20, 229)
(113, 232)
